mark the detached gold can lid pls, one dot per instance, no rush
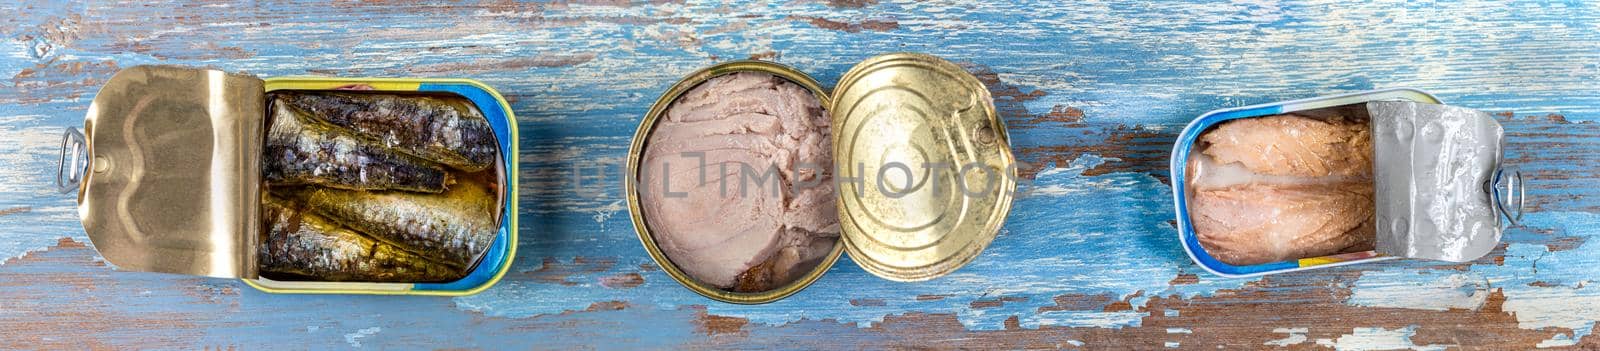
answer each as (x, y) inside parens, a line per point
(924, 167)
(173, 178)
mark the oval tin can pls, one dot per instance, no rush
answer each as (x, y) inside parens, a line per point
(935, 113)
(1191, 133)
(156, 133)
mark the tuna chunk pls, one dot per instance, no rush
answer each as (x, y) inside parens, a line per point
(735, 183)
(1292, 145)
(1206, 173)
(1270, 223)
(1283, 187)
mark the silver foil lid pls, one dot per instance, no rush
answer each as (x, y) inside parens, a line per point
(1437, 172)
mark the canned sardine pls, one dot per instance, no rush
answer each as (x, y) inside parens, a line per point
(748, 181)
(1327, 181)
(303, 185)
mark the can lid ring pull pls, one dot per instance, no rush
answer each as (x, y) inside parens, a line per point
(1513, 198)
(74, 161)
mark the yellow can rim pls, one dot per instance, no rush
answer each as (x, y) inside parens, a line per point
(411, 85)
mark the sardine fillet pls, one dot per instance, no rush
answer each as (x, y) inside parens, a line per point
(444, 129)
(306, 244)
(454, 227)
(1292, 145)
(298, 151)
(1270, 223)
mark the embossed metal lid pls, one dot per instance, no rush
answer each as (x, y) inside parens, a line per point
(1439, 173)
(173, 178)
(924, 166)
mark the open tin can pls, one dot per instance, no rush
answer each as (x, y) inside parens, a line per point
(169, 177)
(1426, 159)
(905, 109)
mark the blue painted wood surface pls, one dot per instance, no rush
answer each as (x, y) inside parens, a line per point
(1093, 92)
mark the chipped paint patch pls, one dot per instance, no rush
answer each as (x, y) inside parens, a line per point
(1379, 339)
(876, 25)
(604, 213)
(623, 281)
(354, 339)
(1085, 319)
(1296, 337)
(1399, 288)
(1559, 340)
(15, 210)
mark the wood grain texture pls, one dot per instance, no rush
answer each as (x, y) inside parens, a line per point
(1093, 92)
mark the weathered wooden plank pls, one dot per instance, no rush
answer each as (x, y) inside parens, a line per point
(1094, 92)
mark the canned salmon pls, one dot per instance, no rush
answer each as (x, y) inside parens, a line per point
(1339, 180)
(299, 184)
(747, 180)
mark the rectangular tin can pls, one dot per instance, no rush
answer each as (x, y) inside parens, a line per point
(78, 166)
(1179, 167)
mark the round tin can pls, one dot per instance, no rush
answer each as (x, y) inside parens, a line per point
(914, 116)
(636, 155)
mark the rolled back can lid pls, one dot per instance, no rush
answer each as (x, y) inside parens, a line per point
(174, 179)
(924, 166)
(1436, 169)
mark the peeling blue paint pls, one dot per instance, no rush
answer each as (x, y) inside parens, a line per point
(1124, 64)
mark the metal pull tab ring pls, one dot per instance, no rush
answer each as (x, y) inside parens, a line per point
(1509, 194)
(74, 161)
